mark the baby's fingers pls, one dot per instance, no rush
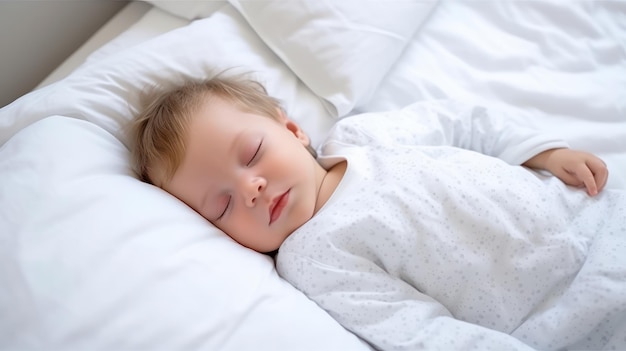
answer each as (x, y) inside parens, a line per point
(600, 173)
(577, 168)
(585, 175)
(579, 176)
(592, 174)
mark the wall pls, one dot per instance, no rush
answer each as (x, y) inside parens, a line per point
(36, 36)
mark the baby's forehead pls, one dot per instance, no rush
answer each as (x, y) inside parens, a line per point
(225, 110)
(267, 109)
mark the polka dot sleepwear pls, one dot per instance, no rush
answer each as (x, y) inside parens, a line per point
(436, 238)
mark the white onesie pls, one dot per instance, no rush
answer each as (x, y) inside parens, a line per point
(427, 243)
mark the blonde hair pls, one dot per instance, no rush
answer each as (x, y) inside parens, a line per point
(159, 131)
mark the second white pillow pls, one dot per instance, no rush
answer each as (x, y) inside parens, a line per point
(340, 49)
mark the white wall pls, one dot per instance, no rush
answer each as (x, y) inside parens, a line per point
(36, 36)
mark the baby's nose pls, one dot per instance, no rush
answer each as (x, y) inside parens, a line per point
(253, 190)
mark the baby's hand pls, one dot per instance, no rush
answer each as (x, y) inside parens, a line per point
(574, 168)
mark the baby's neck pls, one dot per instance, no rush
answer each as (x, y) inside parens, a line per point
(329, 183)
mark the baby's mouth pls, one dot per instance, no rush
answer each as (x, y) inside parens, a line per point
(276, 208)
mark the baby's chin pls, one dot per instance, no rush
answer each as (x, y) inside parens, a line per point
(265, 247)
(273, 249)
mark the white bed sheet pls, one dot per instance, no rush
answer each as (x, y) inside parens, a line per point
(560, 68)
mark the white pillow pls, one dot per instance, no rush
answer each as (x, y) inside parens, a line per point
(189, 9)
(340, 49)
(93, 259)
(107, 91)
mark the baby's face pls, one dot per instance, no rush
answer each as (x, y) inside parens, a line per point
(249, 175)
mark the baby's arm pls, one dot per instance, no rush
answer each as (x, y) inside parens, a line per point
(573, 167)
(447, 123)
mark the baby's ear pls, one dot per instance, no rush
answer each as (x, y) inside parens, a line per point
(294, 128)
(298, 132)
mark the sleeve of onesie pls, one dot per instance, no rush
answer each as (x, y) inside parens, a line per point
(447, 123)
(386, 311)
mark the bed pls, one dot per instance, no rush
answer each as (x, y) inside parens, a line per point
(92, 258)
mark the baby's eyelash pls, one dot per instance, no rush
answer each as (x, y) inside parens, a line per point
(225, 209)
(255, 154)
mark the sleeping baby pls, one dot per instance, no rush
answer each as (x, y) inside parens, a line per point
(436, 226)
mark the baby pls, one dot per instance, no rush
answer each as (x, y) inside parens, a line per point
(415, 228)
